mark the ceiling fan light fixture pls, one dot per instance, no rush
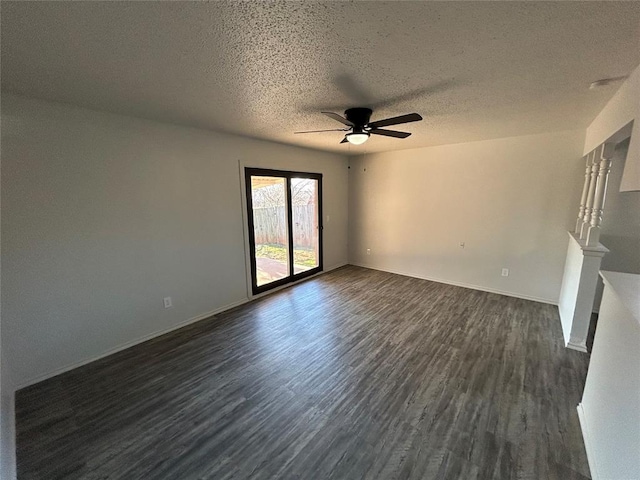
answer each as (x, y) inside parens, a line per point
(357, 138)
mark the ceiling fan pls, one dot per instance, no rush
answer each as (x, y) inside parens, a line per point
(359, 127)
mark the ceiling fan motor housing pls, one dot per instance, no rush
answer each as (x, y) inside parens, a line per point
(358, 116)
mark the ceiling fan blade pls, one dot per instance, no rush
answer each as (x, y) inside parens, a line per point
(344, 140)
(339, 118)
(330, 130)
(389, 133)
(411, 117)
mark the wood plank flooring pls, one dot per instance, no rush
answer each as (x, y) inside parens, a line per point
(354, 374)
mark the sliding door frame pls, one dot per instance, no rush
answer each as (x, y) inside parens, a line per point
(288, 176)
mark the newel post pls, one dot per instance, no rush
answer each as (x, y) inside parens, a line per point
(606, 154)
(585, 191)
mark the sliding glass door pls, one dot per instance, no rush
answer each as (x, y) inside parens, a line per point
(285, 228)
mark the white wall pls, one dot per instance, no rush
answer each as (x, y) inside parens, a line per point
(620, 224)
(104, 215)
(7, 416)
(621, 220)
(609, 413)
(511, 201)
(7, 423)
(7, 413)
(623, 108)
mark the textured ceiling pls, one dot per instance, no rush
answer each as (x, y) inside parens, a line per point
(473, 70)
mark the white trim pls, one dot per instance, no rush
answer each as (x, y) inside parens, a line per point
(334, 267)
(130, 344)
(566, 329)
(588, 446)
(462, 284)
(581, 347)
(598, 250)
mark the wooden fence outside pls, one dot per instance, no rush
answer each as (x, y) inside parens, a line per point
(270, 225)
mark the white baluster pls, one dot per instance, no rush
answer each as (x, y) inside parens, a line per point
(586, 218)
(606, 154)
(585, 190)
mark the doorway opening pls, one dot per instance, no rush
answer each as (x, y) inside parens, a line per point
(285, 227)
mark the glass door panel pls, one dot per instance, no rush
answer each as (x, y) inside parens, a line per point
(305, 228)
(285, 227)
(270, 229)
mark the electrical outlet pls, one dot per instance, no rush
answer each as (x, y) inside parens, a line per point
(368, 251)
(167, 302)
(505, 272)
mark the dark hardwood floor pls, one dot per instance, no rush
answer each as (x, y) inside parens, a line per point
(354, 374)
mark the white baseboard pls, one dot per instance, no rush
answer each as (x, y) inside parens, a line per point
(130, 344)
(152, 335)
(588, 446)
(577, 346)
(464, 285)
(336, 266)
